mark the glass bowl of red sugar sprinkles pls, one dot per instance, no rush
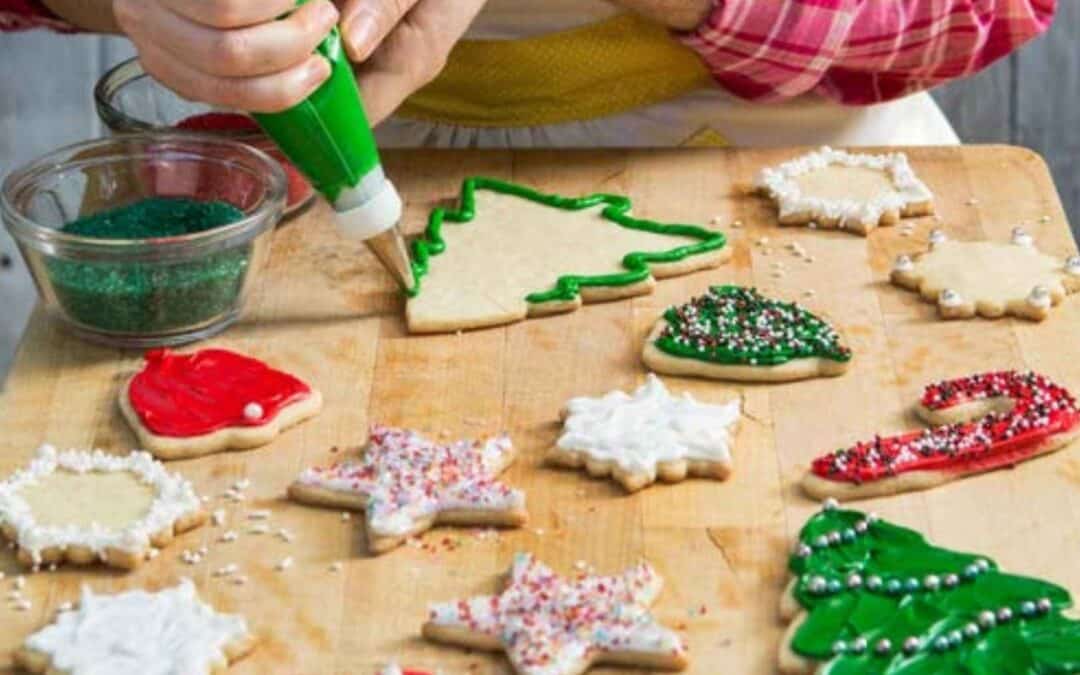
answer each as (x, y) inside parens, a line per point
(145, 240)
(129, 100)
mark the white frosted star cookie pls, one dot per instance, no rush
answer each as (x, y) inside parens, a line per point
(83, 507)
(135, 633)
(989, 279)
(838, 189)
(648, 435)
(550, 625)
(406, 484)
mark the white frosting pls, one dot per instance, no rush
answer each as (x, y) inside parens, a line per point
(1020, 237)
(950, 298)
(780, 183)
(174, 498)
(171, 632)
(253, 412)
(1072, 265)
(391, 669)
(938, 237)
(1040, 297)
(637, 432)
(903, 264)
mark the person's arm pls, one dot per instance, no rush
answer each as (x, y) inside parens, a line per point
(858, 51)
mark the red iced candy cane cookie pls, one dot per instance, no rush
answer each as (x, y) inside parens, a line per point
(983, 422)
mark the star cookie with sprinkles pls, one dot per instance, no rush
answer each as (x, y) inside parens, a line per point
(735, 333)
(988, 279)
(406, 484)
(550, 625)
(837, 189)
(982, 422)
(190, 405)
(650, 434)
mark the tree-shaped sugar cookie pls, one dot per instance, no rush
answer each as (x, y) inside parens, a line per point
(838, 189)
(735, 333)
(83, 507)
(990, 279)
(871, 598)
(508, 252)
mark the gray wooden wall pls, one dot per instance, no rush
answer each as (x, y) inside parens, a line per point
(1031, 99)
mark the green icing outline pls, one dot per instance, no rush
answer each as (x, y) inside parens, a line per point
(567, 287)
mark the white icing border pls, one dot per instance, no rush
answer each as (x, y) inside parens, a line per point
(175, 498)
(780, 184)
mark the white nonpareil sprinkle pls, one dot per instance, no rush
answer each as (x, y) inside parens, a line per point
(261, 528)
(345, 515)
(65, 607)
(23, 605)
(335, 567)
(20, 582)
(284, 564)
(218, 517)
(153, 553)
(227, 570)
(262, 514)
(242, 484)
(239, 581)
(228, 536)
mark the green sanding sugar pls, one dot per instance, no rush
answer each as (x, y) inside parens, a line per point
(151, 296)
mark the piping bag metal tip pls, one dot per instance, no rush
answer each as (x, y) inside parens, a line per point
(389, 247)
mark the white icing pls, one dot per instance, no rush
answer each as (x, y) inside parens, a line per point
(253, 412)
(1072, 265)
(391, 669)
(938, 237)
(171, 632)
(950, 298)
(637, 432)
(1039, 297)
(1020, 237)
(781, 184)
(174, 498)
(903, 264)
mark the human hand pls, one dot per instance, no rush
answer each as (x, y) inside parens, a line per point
(234, 53)
(401, 45)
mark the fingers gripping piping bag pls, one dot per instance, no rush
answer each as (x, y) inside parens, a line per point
(328, 137)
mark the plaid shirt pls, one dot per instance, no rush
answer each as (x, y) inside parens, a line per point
(852, 51)
(859, 51)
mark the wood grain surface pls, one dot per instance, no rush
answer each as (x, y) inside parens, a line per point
(323, 310)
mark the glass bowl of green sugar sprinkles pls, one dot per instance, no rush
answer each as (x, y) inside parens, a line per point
(145, 240)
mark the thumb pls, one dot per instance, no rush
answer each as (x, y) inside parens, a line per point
(366, 23)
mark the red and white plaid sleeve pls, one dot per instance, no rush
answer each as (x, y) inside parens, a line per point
(27, 14)
(859, 51)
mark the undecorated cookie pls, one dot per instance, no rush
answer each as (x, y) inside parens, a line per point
(991, 279)
(508, 252)
(84, 507)
(983, 422)
(837, 189)
(735, 333)
(189, 405)
(406, 484)
(549, 625)
(650, 434)
(136, 633)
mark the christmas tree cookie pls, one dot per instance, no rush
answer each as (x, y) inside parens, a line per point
(735, 333)
(871, 598)
(837, 189)
(508, 252)
(981, 423)
(990, 279)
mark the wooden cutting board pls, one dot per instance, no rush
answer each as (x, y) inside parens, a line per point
(322, 309)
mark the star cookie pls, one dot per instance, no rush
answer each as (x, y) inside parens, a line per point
(837, 189)
(406, 484)
(549, 625)
(190, 405)
(82, 507)
(135, 633)
(648, 435)
(989, 279)
(508, 252)
(735, 333)
(981, 423)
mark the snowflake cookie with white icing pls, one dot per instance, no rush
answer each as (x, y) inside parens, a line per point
(405, 484)
(838, 189)
(550, 625)
(989, 279)
(135, 633)
(650, 434)
(82, 507)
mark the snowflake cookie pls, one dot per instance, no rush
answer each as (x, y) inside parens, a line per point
(508, 252)
(135, 633)
(647, 435)
(980, 423)
(82, 507)
(551, 625)
(837, 189)
(990, 279)
(406, 484)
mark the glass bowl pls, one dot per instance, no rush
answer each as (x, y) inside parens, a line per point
(144, 292)
(128, 100)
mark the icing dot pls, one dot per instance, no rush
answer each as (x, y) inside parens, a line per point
(1072, 265)
(253, 412)
(1020, 237)
(938, 236)
(903, 264)
(1039, 297)
(950, 298)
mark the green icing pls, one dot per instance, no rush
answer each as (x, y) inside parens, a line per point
(736, 325)
(871, 588)
(617, 210)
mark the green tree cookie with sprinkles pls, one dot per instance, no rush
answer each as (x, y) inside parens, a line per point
(872, 598)
(735, 333)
